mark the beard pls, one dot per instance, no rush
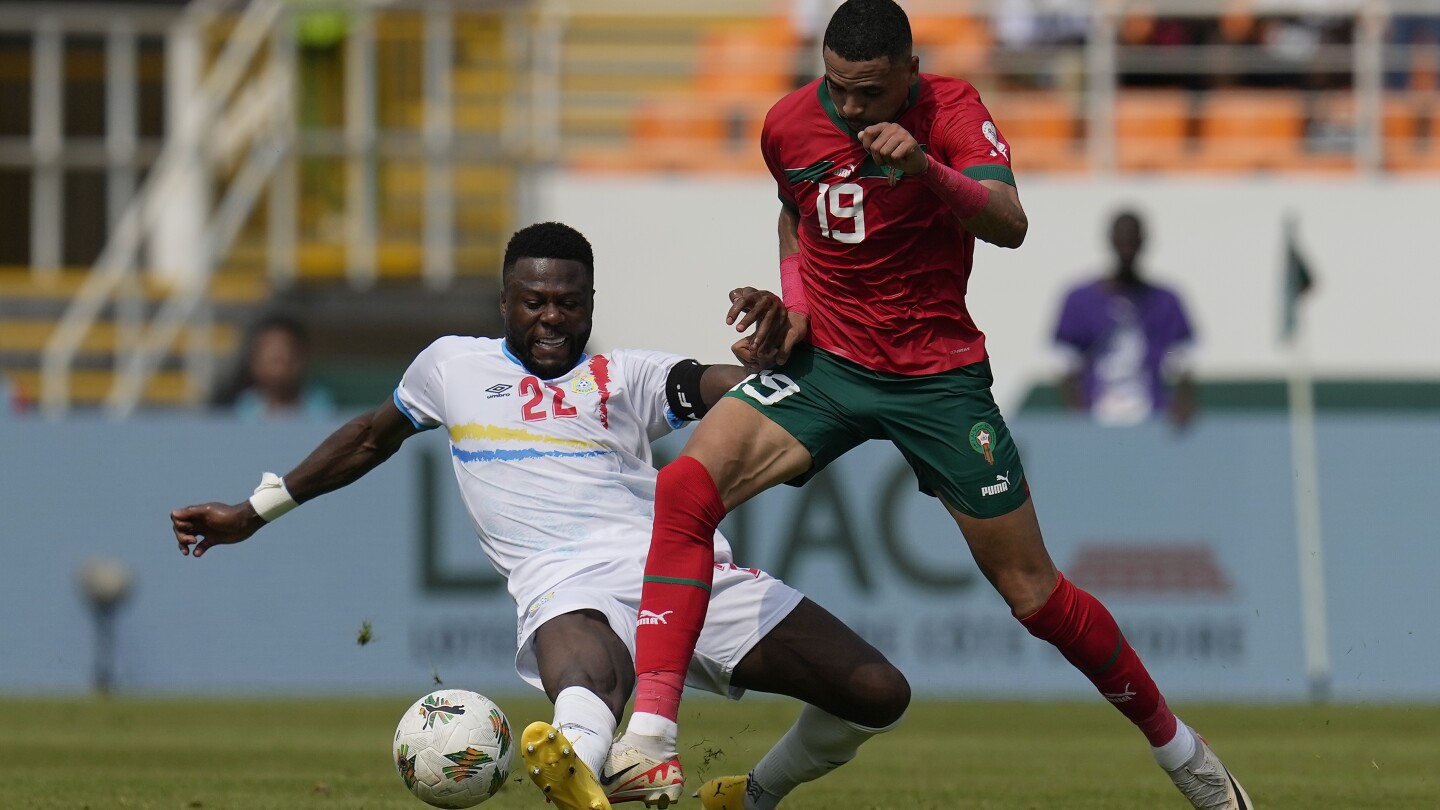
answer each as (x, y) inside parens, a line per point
(524, 350)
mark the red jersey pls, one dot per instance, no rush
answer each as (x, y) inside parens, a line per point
(885, 269)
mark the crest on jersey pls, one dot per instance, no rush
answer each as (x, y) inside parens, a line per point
(993, 136)
(584, 384)
(982, 441)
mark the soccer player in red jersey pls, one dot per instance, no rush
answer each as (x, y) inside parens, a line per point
(886, 178)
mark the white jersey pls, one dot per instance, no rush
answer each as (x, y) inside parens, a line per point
(556, 474)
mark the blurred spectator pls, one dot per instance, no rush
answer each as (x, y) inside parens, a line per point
(1420, 36)
(1171, 37)
(1025, 23)
(1051, 31)
(270, 382)
(11, 400)
(1239, 46)
(808, 18)
(1126, 341)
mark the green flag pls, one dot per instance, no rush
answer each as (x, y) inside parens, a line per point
(1298, 280)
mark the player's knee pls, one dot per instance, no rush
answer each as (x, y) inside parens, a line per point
(880, 695)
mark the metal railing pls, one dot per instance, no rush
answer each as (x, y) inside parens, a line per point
(240, 116)
(117, 275)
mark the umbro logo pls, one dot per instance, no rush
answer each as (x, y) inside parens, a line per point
(498, 388)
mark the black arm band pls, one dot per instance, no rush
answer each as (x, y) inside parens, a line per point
(682, 390)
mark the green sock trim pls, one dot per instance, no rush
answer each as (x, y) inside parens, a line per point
(1113, 658)
(694, 583)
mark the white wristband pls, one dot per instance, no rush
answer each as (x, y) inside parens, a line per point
(271, 498)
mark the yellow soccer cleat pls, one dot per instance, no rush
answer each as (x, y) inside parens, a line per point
(565, 779)
(723, 793)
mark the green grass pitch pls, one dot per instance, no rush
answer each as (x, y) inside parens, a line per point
(295, 754)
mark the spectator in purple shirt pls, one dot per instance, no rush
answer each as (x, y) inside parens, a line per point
(1127, 341)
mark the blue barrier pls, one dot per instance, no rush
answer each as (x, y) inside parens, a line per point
(1189, 539)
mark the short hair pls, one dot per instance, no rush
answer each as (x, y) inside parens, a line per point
(548, 240)
(280, 322)
(1130, 214)
(862, 30)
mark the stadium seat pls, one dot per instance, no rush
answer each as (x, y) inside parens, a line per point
(1411, 131)
(712, 123)
(952, 45)
(1152, 130)
(755, 60)
(717, 134)
(1250, 130)
(31, 306)
(1042, 127)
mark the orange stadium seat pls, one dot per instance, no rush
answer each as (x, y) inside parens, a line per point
(1411, 131)
(748, 60)
(699, 134)
(713, 125)
(952, 45)
(1042, 127)
(1152, 129)
(1250, 130)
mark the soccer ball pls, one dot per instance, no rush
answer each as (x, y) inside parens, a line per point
(453, 749)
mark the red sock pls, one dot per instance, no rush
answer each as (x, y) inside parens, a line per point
(676, 594)
(1087, 635)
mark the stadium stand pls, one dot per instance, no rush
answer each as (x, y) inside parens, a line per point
(629, 86)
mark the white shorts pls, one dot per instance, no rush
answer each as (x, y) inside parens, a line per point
(745, 604)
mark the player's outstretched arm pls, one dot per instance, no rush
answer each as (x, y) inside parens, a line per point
(356, 448)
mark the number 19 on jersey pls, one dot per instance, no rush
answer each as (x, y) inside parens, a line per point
(842, 201)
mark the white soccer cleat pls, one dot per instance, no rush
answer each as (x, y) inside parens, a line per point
(1207, 783)
(564, 778)
(723, 793)
(631, 775)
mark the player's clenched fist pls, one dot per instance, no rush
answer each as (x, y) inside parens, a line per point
(213, 524)
(893, 146)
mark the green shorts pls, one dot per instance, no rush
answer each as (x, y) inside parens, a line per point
(946, 425)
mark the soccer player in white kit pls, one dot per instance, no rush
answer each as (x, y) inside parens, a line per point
(551, 449)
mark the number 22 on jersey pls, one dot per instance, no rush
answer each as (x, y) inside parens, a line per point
(841, 201)
(533, 394)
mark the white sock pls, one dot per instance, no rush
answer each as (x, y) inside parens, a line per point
(1179, 750)
(587, 723)
(818, 743)
(653, 734)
